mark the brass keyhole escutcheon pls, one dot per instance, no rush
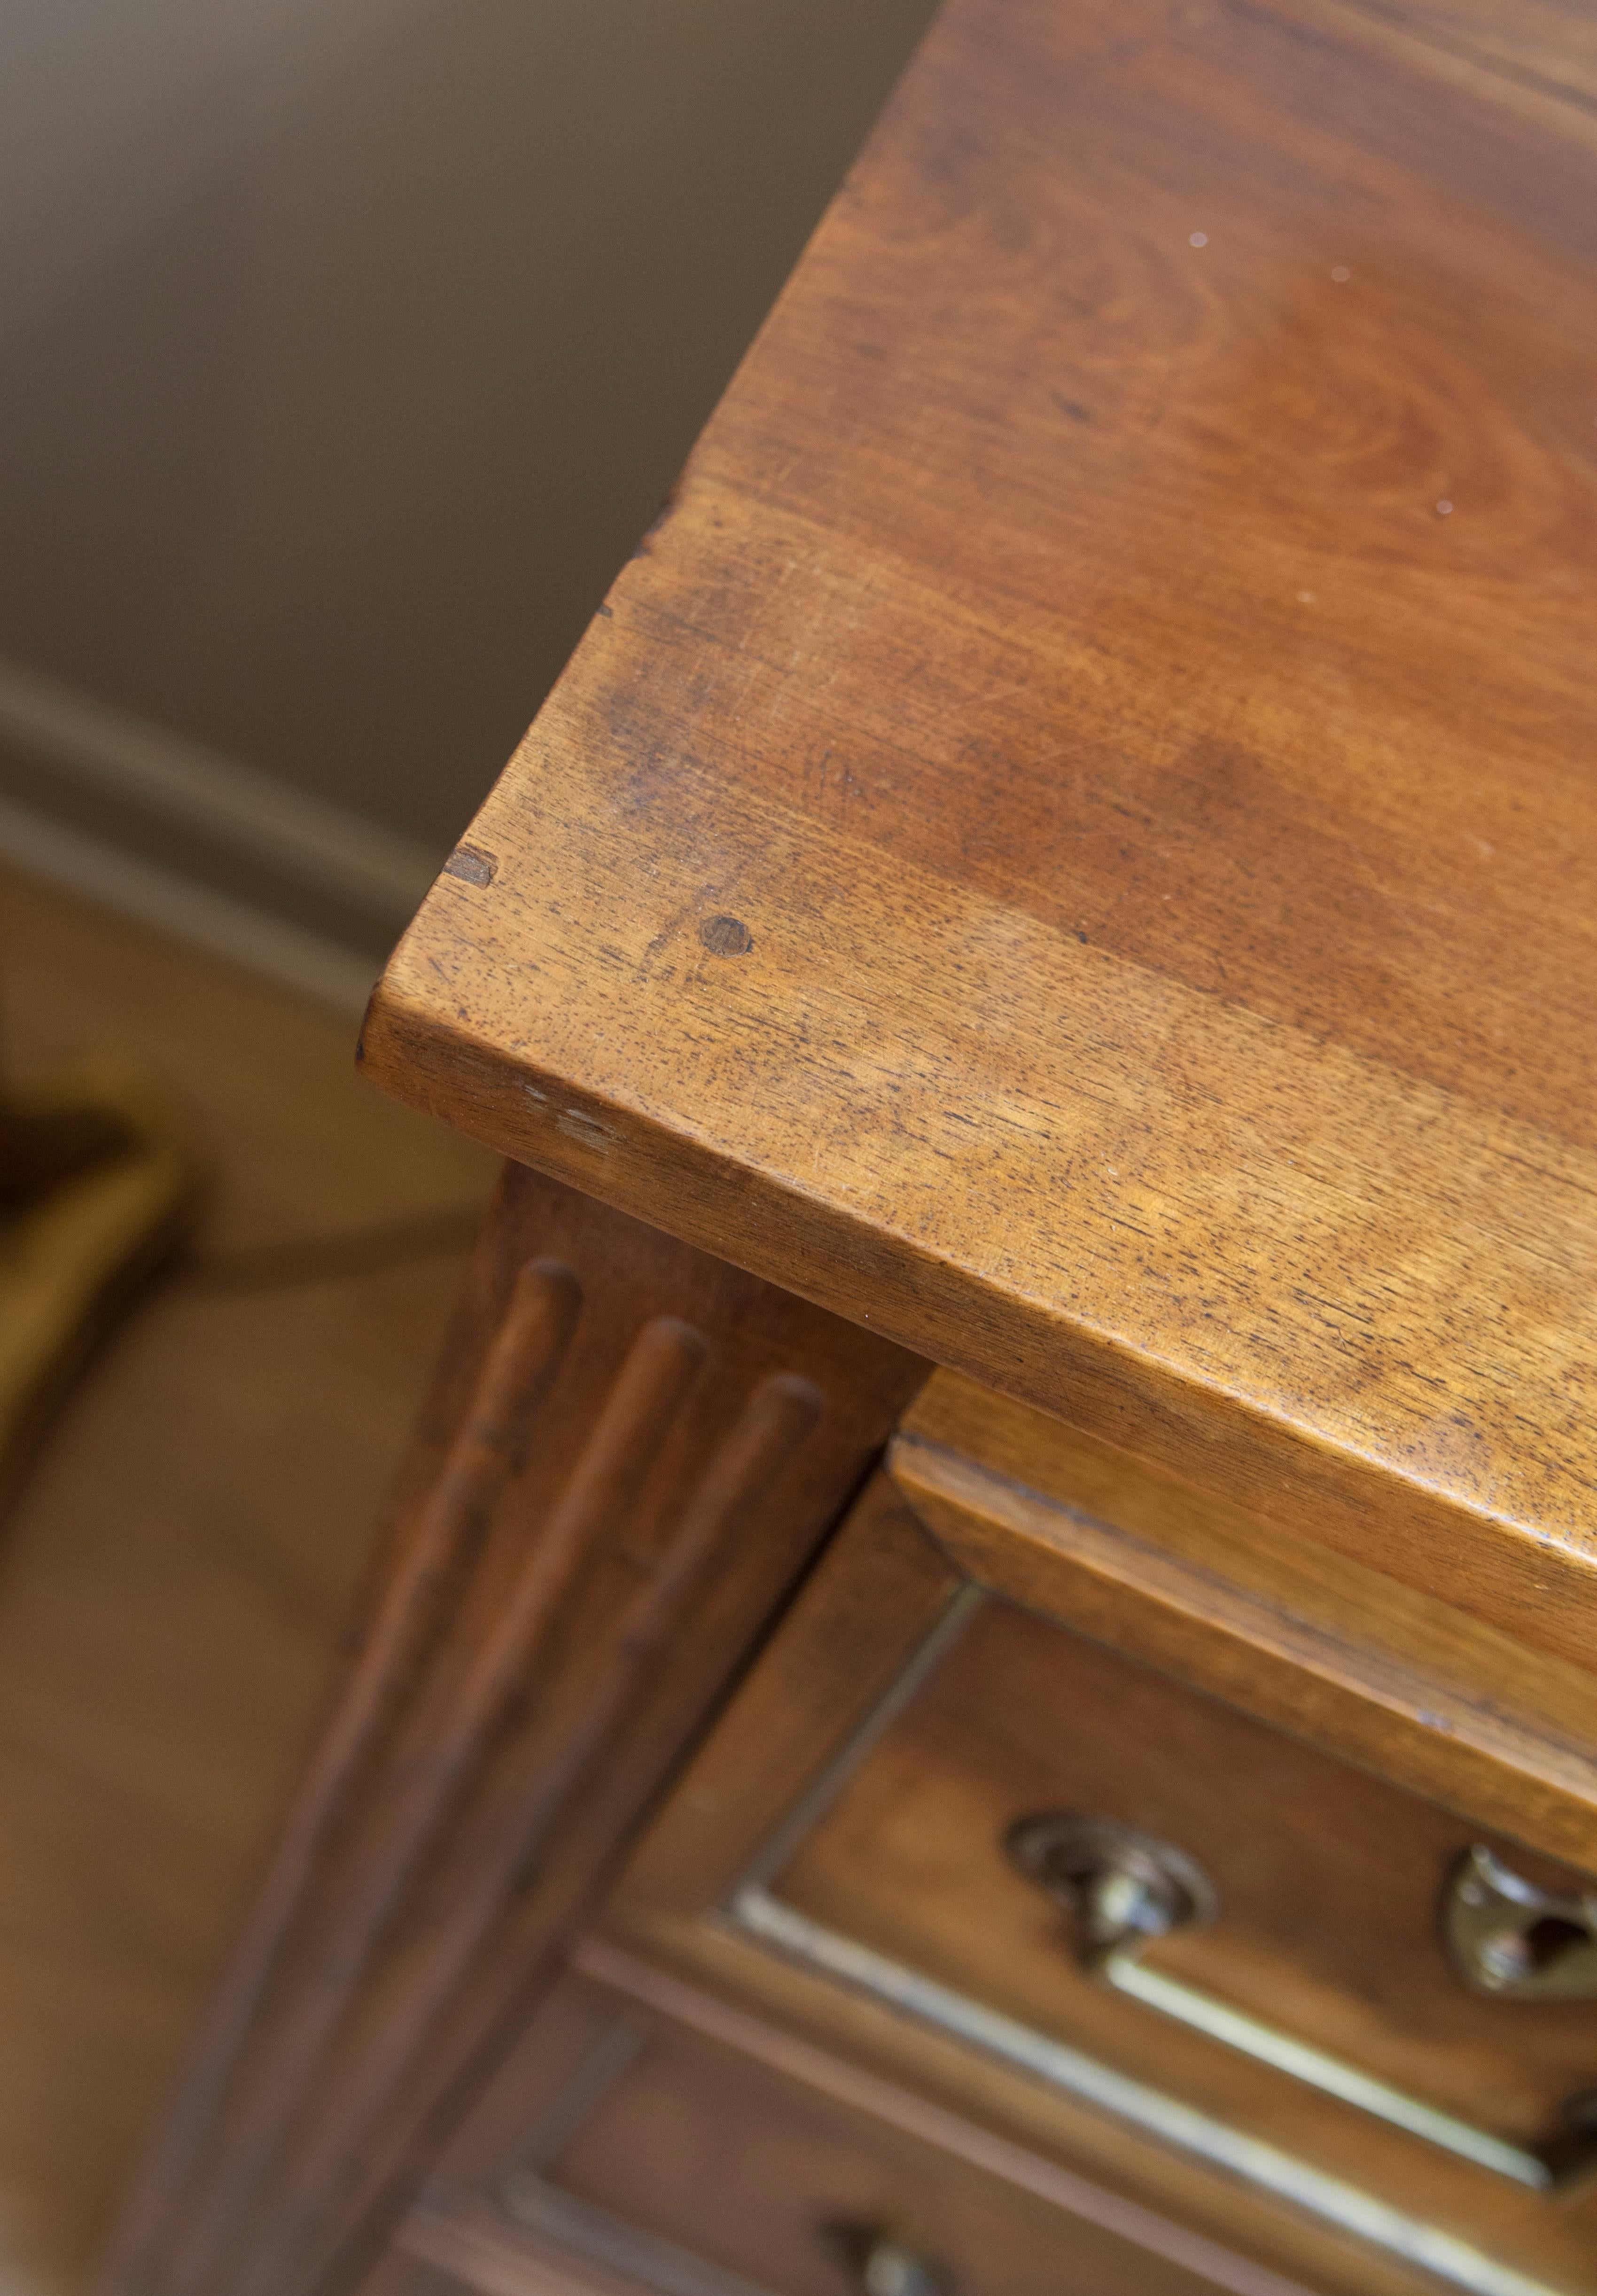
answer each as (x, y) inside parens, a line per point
(1120, 1888)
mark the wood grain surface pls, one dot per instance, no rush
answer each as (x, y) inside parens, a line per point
(1329, 1881)
(628, 1452)
(669, 2112)
(1073, 841)
(856, 1627)
(1330, 1650)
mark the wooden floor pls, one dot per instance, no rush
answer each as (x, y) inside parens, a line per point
(174, 1577)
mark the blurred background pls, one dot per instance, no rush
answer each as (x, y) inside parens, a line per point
(347, 348)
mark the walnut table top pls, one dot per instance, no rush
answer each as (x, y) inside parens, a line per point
(1073, 841)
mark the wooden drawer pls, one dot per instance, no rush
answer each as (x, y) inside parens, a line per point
(1308, 2034)
(646, 2138)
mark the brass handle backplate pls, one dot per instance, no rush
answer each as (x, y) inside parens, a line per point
(1520, 1943)
(1120, 1888)
(883, 2265)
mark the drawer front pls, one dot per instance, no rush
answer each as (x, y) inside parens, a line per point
(1172, 1912)
(985, 1834)
(646, 2141)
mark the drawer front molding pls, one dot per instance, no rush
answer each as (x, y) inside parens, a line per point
(637, 2102)
(759, 1913)
(883, 1881)
(764, 1918)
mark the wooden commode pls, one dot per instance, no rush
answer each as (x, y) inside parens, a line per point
(985, 1679)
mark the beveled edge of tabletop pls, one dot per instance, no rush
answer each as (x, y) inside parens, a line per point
(564, 996)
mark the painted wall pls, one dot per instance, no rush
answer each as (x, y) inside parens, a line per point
(347, 345)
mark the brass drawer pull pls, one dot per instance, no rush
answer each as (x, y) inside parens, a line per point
(1122, 1889)
(881, 2263)
(1511, 1939)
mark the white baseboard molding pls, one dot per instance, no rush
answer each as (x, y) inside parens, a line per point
(162, 777)
(320, 846)
(303, 961)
